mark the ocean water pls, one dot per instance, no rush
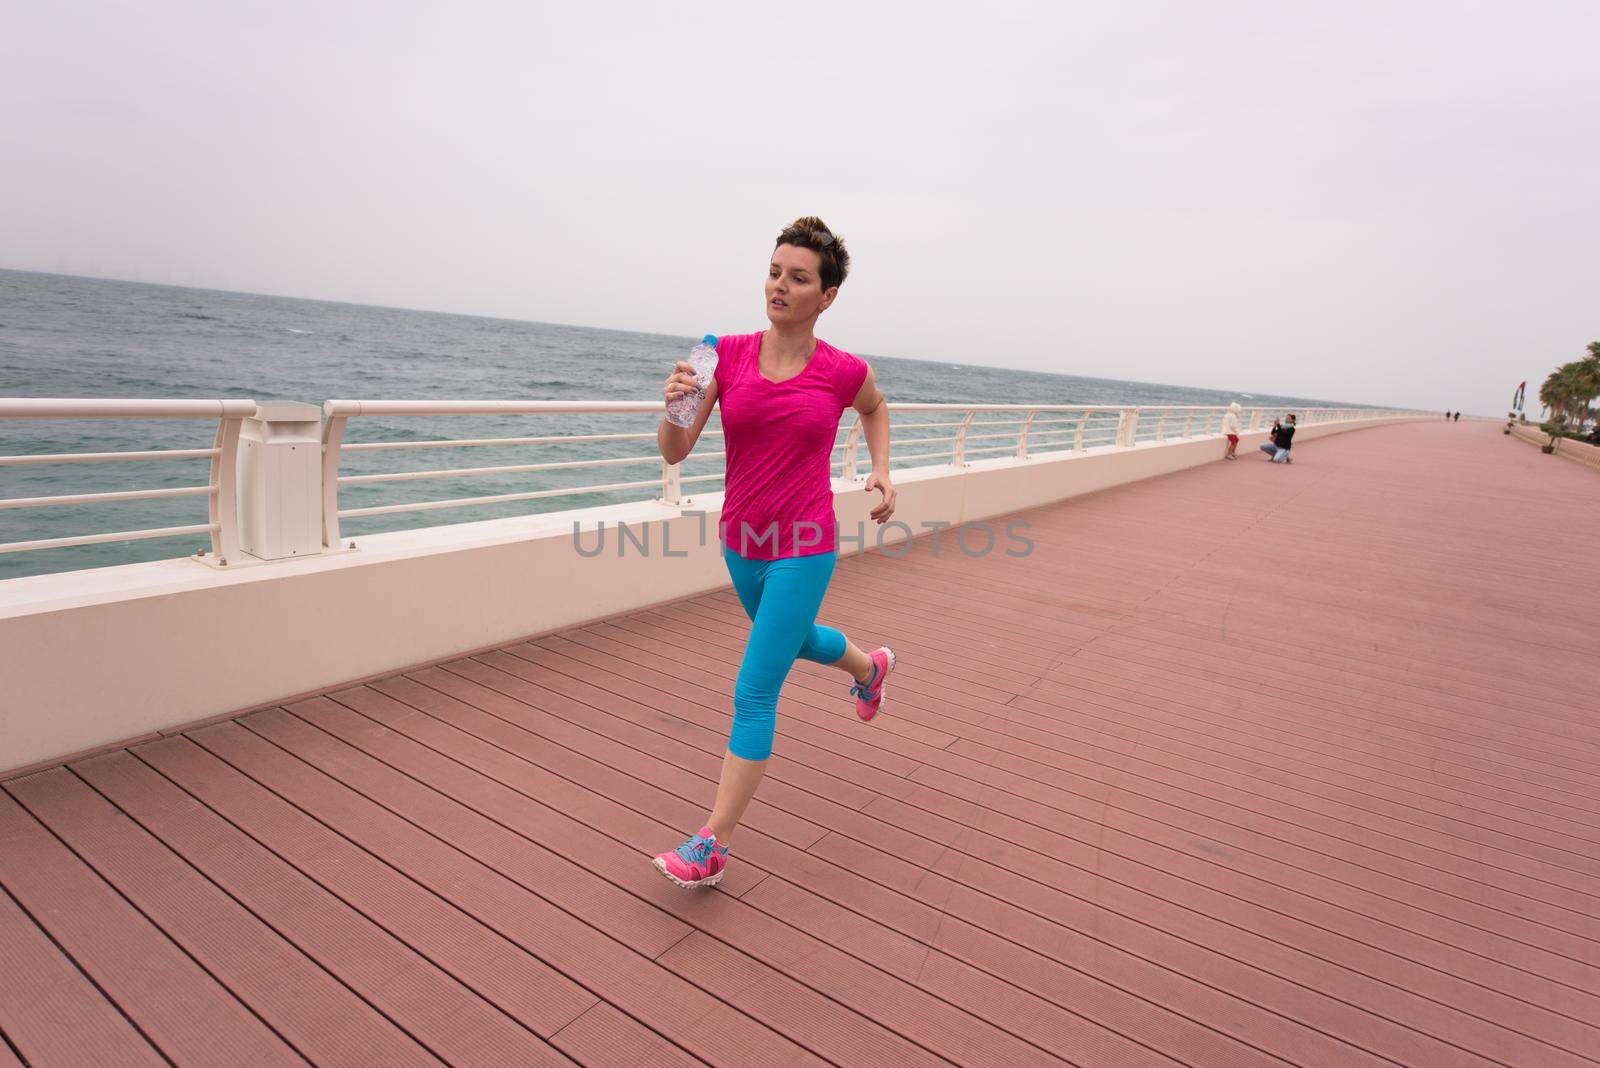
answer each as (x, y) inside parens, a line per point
(78, 337)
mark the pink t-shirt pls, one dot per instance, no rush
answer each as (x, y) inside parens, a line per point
(780, 438)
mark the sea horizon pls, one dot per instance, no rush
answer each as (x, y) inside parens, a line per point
(666, 335)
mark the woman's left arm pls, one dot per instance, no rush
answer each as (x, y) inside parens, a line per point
(874, 412)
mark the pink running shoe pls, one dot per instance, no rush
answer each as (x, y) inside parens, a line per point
(869, 694)
(698, 862)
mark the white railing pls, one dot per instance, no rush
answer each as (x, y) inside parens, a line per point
(923, 435)
(958, 426)
(1188, 421)
(340, 412)
(220, 492)
(969, 432)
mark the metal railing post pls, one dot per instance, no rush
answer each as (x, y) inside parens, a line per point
(332, 440)
(1022, 438)
(958, 455)
(1127, 427)
(1077, 439)
(852, 442)
(671, 484)
(225, 483)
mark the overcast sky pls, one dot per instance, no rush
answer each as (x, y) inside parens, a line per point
(1385, 202)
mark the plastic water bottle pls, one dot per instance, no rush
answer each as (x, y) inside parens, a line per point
(703, 359)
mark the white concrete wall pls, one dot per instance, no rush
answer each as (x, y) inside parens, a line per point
(1579, 451)
(93, 658)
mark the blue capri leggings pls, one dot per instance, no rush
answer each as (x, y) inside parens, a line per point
(781, 597)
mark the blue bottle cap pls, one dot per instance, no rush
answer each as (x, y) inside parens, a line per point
(709, 339)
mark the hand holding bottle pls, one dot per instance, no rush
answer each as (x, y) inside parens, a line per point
(688, 381)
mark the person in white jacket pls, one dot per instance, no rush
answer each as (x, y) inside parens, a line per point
(1230, 427)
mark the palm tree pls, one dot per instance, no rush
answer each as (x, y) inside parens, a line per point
(1586, 381)
(1553, 395)
(1569, 389)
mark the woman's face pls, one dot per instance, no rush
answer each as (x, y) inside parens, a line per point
(794, 288)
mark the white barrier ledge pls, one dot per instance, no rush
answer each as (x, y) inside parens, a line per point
(1580, 451)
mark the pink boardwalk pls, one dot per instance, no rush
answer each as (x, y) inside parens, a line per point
(1252, 764)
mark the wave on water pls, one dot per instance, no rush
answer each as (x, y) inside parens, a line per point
(197, 315)
(172, 387)
(379, 430)
(292, 330)
(149, 383)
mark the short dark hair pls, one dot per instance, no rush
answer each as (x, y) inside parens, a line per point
(810, 232)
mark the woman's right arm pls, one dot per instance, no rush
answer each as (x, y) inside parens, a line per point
(676, 442)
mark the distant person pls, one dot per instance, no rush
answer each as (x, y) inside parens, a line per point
(781, 393)
(1458, 417)
(1230, 427)
(1277, 449)
(1594, 435)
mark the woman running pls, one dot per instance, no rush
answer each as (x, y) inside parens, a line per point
(782, 392)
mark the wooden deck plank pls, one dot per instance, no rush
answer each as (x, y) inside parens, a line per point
(946, 653)
(182, 1010)
(1085, 689)
(944, 688)
(1309, 828)
(1515, 753)
(894, 912)
(501, 827)
(764, 852)
(948, 763)
(565, 946)
(442, 1012)
(1480, 701)
(544, 999)
(306, 1006)
(50, 1011)
(603, 1035)
(1065, 717)
(1467, 888)
(1396, 798)
(1245, 763)
(1417, 774)
(800, 956)
(1323, 822)
(597, 683)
